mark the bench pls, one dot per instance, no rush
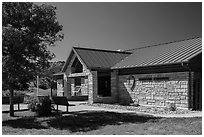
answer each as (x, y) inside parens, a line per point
(16, 100)
(60, 101)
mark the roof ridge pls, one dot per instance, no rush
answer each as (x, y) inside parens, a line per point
(105, 50)
(161, 44)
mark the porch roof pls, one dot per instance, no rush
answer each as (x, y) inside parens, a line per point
(96, 58)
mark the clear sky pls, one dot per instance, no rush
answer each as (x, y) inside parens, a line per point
(125, 25)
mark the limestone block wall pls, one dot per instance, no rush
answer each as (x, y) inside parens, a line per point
(84, 86)
(65, 87)
(60, 91)
(92, 87)
(173, 89)
(114, 87)
(70, 82)
(72, 86)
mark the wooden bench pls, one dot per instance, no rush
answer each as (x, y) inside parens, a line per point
(60, 101)
(16, 100)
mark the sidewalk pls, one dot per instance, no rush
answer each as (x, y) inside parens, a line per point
(80, 106)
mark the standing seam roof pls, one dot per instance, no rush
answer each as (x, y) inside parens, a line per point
(174, 52)
(96, 58)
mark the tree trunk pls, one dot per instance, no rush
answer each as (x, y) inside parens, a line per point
(11, 103)
(51, 91)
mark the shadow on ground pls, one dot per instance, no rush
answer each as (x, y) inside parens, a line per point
(79, 121)
(26, 123)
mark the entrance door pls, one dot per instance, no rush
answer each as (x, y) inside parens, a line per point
(104, 88)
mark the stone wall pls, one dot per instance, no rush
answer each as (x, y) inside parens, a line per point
(84, 86)
(69, 88)
(92, 87)
(173, 89)
(60, 91)
(114, 87)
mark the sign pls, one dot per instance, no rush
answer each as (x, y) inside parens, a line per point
(131, 82)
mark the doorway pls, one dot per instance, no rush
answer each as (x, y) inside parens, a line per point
(197, 94)
(104, 85)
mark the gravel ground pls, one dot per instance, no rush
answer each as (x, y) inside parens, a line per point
(146, 109)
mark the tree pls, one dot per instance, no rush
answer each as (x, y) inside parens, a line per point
(27, 30)
(47, 79)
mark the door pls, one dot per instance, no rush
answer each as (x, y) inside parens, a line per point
(197, 94)
(104, 88)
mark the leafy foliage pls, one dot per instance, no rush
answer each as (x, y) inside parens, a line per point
(47, 80)
(42, 107)
(27, 30)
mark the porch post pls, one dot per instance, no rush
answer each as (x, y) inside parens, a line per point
(114, 85)
(93, 87)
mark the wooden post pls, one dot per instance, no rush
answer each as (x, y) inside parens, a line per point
(18, 106)
(37, 85)
(67, 108)
(11, 103)
(51, 91)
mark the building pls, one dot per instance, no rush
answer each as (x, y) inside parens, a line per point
(156, 75)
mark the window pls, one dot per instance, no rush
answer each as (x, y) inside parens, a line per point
(77, 82)
(76, 66)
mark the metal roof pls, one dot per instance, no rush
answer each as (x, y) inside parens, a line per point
(97, 58)
(168, 53)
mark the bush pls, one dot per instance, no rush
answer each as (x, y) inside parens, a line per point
(171, 107)
(41, 105)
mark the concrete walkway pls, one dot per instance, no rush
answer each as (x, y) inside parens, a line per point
(81, 106)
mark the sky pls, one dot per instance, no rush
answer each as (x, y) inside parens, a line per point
(121, 25)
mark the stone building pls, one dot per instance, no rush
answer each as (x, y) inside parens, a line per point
(156, 75)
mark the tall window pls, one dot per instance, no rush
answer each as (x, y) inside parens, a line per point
(77, 82)
(77, 66)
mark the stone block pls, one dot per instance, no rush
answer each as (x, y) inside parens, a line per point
(171, 98)
(140, 97)
(148, 97)
(143, 102)
(184, 86)
(185, 94)
(174, 94)
(177, 101)
(182, 105)
(184, 101)
(183, 97)
(158, 97)
(151, 101)
(184, 82)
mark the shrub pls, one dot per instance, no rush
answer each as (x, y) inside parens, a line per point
(41, 105)
(171, 107)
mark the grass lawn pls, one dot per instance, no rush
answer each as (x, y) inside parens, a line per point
(98, 122)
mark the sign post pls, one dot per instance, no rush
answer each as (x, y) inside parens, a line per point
(37, 85)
